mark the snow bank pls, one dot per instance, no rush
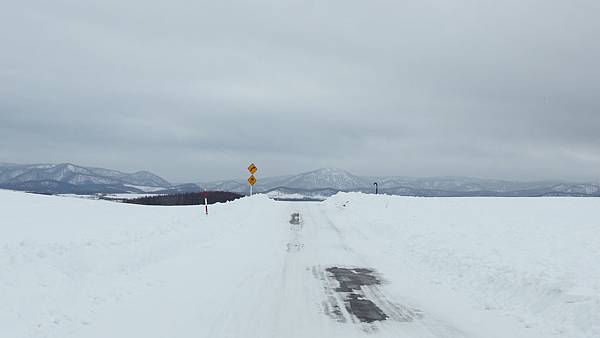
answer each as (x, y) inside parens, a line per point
(475, 267)
(63, 260)
(534, 259)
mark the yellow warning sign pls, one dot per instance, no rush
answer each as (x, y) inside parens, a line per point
(252, 180)
(252, 168)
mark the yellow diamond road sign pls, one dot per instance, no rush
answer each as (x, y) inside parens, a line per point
(252, 180)
(252, 168)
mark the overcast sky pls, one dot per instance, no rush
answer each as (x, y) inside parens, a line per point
(195, 90)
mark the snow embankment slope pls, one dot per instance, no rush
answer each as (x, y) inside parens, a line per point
(469, 267)
(533, 259)
(67, 265)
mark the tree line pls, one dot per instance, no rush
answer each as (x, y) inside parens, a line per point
(190, 198)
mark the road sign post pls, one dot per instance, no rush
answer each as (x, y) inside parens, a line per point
(252, 180)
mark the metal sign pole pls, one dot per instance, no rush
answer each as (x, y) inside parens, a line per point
(252, 180)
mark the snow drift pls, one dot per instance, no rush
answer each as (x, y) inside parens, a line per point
(437, 267)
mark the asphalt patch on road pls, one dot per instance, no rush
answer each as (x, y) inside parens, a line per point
(351, 281)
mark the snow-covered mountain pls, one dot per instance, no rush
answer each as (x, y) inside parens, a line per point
(328, 181)
(316, 184)
(325, 178)
(70, 178)
(139, 178)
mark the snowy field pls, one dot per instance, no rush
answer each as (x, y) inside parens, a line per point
(428, 267)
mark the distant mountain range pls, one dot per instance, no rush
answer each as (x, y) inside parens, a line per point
(68, 178)
(325, 182)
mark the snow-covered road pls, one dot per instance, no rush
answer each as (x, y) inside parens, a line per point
(353, 266)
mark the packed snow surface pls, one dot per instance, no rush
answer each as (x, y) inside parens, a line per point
(352, 266)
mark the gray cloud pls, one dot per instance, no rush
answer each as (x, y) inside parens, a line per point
(195, 89)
